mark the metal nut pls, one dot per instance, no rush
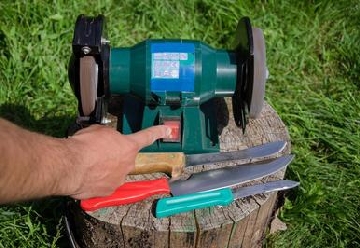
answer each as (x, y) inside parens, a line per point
(86, 50)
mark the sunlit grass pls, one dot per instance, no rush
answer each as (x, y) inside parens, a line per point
(313, 59)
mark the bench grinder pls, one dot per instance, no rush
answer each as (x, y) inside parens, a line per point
(172, 82)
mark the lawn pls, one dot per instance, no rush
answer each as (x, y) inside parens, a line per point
(313, 59)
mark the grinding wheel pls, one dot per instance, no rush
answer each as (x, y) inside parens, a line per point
(88, 84)
(260, 73)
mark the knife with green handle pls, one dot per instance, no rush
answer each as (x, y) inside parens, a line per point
(223, 197)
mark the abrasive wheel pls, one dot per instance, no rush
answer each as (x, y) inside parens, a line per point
(260, 74)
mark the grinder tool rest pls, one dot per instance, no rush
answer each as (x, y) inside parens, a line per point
(172, 82)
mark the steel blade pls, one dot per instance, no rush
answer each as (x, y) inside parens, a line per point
(264, 188)
(264, 150)
(228, 176)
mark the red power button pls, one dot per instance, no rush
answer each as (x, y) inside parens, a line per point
(175, 126)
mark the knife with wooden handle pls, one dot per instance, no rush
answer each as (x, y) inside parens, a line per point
(173, 163)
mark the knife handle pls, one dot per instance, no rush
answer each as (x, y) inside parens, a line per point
(171, 163)
(129, 192)
(178, 204)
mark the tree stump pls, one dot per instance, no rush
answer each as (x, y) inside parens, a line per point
(242, 224)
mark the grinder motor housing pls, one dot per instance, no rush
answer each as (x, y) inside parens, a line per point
(172, 82)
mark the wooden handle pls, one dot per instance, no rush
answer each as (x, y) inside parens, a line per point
(171, 163)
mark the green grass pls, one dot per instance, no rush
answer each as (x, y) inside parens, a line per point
(313, 59)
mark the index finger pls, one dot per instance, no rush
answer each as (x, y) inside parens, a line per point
(147, 136)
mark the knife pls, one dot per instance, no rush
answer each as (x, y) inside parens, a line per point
(173, 163)
(174, 205)
(131, 192)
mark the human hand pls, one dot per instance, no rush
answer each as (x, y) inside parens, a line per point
(103, 157)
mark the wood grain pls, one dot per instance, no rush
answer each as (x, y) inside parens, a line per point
(170, 163)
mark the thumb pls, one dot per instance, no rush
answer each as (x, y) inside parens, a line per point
(147, 136)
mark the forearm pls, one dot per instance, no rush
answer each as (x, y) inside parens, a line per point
(32, 165)
(91, 163)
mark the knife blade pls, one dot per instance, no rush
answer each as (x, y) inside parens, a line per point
(169, 206)
(173, 163)
(131, 192)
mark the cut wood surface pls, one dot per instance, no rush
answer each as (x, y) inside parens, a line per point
(242, 224)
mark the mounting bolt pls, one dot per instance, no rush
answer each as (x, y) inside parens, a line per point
(86, 50)
(105, 121)
(104, 41)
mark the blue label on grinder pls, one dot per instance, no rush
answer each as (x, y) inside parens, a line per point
(172, 66)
